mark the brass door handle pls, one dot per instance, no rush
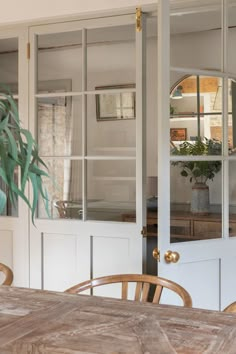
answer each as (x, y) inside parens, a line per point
(171, 257)
(156, 254)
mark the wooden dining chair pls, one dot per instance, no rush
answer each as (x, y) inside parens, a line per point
(231, 307)
(7, 273)
(143, 284)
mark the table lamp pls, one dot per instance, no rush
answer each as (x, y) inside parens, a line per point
(152, 193)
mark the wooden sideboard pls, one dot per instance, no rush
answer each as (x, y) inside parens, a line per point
(185, 226)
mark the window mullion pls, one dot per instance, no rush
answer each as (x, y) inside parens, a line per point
(225, 162)
(84, 123)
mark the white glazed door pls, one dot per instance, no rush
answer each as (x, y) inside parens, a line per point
(205, 243)
(86, 96)
(14, 221)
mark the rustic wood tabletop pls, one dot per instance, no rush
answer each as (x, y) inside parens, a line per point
(35, 321)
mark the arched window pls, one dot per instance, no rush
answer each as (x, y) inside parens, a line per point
(196, 110)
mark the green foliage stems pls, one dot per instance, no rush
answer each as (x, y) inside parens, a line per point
(198, 171)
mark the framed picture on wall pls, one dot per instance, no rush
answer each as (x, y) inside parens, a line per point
(115, 105)
(178, 134)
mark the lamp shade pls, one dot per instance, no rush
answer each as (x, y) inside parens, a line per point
(177, 94)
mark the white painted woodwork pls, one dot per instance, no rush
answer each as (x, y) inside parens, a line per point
(116, 251)
(46, 11)
(64, 252)
(14, 249)
(63, 259)
(80, 249)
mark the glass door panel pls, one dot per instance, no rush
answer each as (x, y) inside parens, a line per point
(196, 110)
(231, 35)
(64, 189)
(111, 189)
(59, 125)
(232, 115)
(60, 57)
(196, 130)
(196, 37)
(111, 124)
(111, 56)
(86, 106)
(9, 63)
(196, 207)
(232, 198)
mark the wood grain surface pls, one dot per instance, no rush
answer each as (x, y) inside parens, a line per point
(34, 321)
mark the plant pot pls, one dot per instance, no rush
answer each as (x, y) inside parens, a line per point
(200, 199)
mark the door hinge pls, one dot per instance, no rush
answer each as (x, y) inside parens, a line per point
(138, 19)
(144, 231)
(28, 50)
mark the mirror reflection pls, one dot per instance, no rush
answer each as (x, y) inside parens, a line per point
(196, 111)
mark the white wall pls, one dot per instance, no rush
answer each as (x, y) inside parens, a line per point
(26, 10)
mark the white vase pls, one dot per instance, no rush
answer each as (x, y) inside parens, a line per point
(200, 199)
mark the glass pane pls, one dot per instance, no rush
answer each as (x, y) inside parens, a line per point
(114, 136)
(231, 35)
(106, 65)
(60, 126)
(60, 58)
(232, 198)
(232, 116)
(64, 189)
(196, 37)
(9, 63)
(151, 95)
(196, 113)
(111, 189)
(195, 200)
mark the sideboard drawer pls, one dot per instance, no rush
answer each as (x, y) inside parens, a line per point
(232, 228)
(180, 227)
(207, 229)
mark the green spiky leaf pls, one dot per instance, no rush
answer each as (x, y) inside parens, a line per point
(3, 200)
(19, 152)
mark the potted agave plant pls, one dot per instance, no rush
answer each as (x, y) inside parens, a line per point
(199, 172)
(19, 152)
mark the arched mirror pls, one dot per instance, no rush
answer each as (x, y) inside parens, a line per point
(196, 110)
(196, 128)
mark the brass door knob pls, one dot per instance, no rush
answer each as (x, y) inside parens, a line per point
(156, 254)
(171, 257)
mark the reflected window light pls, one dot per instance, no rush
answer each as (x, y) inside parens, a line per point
(218, 99)
(217, 106)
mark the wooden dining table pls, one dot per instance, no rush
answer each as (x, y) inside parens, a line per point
(36, 321)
